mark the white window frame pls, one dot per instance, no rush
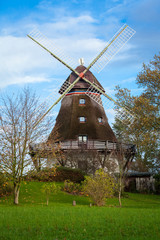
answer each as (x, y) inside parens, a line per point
(82, 101)
(100, 119)
(82, 138)
(82, 119)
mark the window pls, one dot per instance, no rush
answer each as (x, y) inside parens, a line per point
(82, 138)
(100, 119)
(82, 119)
(82, 101)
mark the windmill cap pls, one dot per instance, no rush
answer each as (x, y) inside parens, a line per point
(81, 84)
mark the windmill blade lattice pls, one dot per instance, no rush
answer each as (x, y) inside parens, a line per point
(48, 45)
(50, 101)
(117, 42)
(114, 46)
(125, 116)
(95, 95)
(107, 102)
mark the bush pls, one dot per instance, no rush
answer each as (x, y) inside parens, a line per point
(45, 175)
(59, 174)
(99, 187)
(71, 187)
(6, 187)
(74, 175)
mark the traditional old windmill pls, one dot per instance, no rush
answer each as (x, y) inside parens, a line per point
(82, 123)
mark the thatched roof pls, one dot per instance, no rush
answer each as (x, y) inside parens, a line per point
(69, 127)
(81, 84)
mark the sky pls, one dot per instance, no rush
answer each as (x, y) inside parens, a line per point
(80, 29)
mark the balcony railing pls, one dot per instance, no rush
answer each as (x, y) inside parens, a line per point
(89, 145)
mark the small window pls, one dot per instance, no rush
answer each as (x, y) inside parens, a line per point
(82, 101)
(82, 119)
(82, 139)
(100, 119)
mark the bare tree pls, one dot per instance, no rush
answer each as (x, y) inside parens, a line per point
(124, 158)
(47, 152)
(17, 130)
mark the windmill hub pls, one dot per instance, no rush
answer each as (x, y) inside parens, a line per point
(81, 75)
(81, 84)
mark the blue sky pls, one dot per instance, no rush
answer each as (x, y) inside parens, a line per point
(80, 29)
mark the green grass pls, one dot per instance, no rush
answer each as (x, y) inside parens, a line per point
(139, 218)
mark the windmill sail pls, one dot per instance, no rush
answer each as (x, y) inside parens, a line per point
(103, 58)
(48, 45)
(51, 98)
(108, 103)
(82, 125)
(114, 46)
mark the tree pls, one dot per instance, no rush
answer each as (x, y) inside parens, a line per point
(144, 130)
(149, 79)
(99, 187)
(123, 158)
(47, 152)
(17, 130)
(49, 188)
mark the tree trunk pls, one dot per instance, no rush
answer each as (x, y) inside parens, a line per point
(120, 191)
(119, 198)
(16, 193)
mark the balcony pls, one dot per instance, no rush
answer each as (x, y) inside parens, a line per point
(76, 145)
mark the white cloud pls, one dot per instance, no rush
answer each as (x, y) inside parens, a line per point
(109, 91)
(21, 60)
(110, 115)
(129, 80)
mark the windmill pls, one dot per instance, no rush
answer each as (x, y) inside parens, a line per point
(82, 122)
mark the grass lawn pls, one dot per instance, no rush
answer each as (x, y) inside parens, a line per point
(139, 218)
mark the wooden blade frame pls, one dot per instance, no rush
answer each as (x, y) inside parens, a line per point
(125, 115)
(114, 46)
(82, 74)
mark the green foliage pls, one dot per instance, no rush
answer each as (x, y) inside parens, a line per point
(143, 131)
(45, 175)
(71, 187)
(149, 79)
(6, 187)
(49, 188)
(138, 219)
(99, 187)
(74, 175)
(59, 174)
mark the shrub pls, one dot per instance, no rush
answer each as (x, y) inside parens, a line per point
(71, 187)
(45, 175)
(59, 174)
(49, 188)
(99, 187)
(74, 175)
(6, 187)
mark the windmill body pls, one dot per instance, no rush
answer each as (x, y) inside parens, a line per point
(82, 131)
(80, 118)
